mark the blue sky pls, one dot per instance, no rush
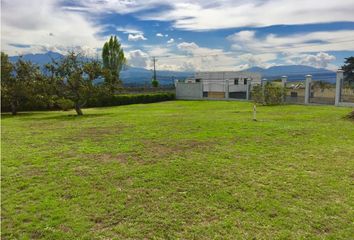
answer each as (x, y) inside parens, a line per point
(185, 34)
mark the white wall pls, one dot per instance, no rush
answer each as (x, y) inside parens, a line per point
(215, 81)
(189, 90)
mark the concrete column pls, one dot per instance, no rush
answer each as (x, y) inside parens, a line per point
(201, 89)
(227, 87)
(284, 79)
(248, 90)
(307, 88)
(263, 81)
(339, 82)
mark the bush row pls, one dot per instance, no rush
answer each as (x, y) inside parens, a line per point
(101, 101)
(126, 99)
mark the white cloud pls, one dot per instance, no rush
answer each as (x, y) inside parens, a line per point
(45, 25)
(201, 14)
(138, 58)
(247, 41)
(320, 59)
(48, 25)
(159, 35)
(136, 37)
(171, 41)
(187, 46)
(129, 29)
(157, 50)
(190, 57)
(260, 60)
(306, 49)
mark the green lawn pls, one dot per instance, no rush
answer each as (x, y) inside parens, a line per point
(179, 170)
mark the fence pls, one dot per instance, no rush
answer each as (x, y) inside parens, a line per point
(307, 91)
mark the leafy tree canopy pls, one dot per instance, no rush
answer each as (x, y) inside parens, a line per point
(348, 68)
(113, 62)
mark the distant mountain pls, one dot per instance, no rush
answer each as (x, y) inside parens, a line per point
(295, 72)
(134, 75)
(130, 75)
(40, 58)
(288, 70)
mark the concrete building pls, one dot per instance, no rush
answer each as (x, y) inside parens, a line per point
(238, 85)
(229, 84)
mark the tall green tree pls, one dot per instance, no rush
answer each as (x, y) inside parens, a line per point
(348, 68)
(74, 76)
(113, 62)
(17, 82)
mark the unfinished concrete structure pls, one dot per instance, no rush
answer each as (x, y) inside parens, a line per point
(238, 85)
(218, 85)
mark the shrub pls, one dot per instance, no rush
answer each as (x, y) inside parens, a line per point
(257, 94)
(65, 104)
(269, 94)
(155, 83)
(273, 94)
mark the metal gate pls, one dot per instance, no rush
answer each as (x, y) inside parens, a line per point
(214, 89)
(322, 92)
(347, 91)
(295, 92)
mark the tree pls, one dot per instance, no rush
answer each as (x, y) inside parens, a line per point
(74, 76)
(348, 69)
(17, 82)
(113, 62)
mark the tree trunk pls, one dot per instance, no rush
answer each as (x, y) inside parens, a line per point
(13, 108)
(78, 109)
(112, 89)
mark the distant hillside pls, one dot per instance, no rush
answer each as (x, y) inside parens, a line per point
(140, 75)
(130, 75)
(40, 59)
(295, 72)
(133, 75)
(288, 70)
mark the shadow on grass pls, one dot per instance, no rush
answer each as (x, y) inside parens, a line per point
(75, 116)
(39, 116)
(19, 114)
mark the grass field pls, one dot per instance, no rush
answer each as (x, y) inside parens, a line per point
(179, 170)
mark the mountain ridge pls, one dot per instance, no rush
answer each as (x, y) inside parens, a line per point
(133, 75)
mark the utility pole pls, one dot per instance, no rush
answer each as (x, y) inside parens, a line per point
(154, 59)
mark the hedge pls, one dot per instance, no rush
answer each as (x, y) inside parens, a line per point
(102, 101)
(126, 99)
